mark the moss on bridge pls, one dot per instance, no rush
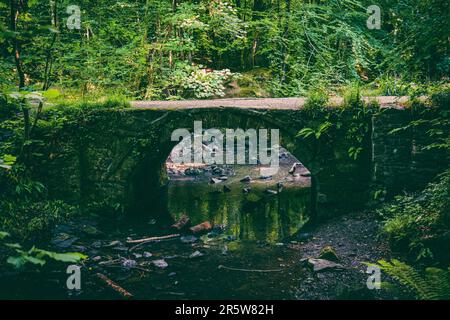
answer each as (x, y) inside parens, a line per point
(115, 157)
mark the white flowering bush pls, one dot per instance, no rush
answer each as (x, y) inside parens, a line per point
(203, 84)
(198, 82)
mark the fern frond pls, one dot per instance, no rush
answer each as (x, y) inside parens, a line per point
(433, 285)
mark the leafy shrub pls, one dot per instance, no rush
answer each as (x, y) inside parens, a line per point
(421, 222)
(18, 258)
(317, 99)
(198, 82)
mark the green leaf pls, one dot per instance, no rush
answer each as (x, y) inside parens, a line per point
(8, 159)
(13, 245)
(51, 94)
(19, 261)
(3, 234)
(71, 257)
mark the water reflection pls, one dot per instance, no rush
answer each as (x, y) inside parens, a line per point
(256, 216)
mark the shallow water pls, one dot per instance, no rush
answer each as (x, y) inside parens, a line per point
(245, 256)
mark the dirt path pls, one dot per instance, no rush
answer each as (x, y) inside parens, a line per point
(265, 103)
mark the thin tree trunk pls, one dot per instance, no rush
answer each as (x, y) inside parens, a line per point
(49, 58)
(285, 35)
(14, 17)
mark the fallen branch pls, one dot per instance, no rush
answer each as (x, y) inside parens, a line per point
(249, 270)
(124, 293)
(170, 236)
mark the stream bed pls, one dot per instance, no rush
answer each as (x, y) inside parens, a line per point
(244, 254)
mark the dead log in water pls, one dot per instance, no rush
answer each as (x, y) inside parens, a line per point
(124, 293)
(170, 236)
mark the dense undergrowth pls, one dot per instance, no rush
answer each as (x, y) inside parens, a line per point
(52, 76)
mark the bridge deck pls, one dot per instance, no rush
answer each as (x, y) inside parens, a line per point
(253, 103)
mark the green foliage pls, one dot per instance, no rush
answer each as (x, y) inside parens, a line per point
(317, 99)
(354, 114)
(18, 257)
(433, 118)
(317, 133)
(199, 83)
(417, 42)
(421, 222)
(25, 211)
(432, 284)
(138, 48)
(6, 161)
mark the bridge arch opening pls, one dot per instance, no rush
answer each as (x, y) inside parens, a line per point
(153, 170)
(252, 201)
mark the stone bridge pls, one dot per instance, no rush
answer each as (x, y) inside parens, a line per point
(116, 156)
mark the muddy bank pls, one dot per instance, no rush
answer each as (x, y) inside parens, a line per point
(356, 240)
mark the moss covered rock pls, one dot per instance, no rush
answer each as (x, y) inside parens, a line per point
(328, 253)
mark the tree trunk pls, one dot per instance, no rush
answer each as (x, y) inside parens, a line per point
(14, 16)
(49, 58)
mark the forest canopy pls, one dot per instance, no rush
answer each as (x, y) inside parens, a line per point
(172, 49)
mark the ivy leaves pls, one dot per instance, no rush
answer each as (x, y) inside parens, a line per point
(321, 130)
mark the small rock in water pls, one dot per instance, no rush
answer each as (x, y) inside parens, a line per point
(225, 250)
(214, 181)
(96, 244)
(188, 239)
(79, 248)
(121, 248)
(270, 191)
(137, 255)
(196, 254)
(172, 274)
(90, 230)
(161, 263)
(97, 258)
(147, 254)
(128, 263)
(217, 170)
(219, 228)
(152, 221)
(202, 227)
(191, 172)
(230, 238)
(113, 244)
(64, 240)
(246, 179)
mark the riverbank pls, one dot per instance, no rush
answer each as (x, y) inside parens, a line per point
(356, 240)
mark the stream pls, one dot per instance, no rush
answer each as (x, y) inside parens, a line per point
(245, 255)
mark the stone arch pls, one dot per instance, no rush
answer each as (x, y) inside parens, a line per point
(149, 173)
